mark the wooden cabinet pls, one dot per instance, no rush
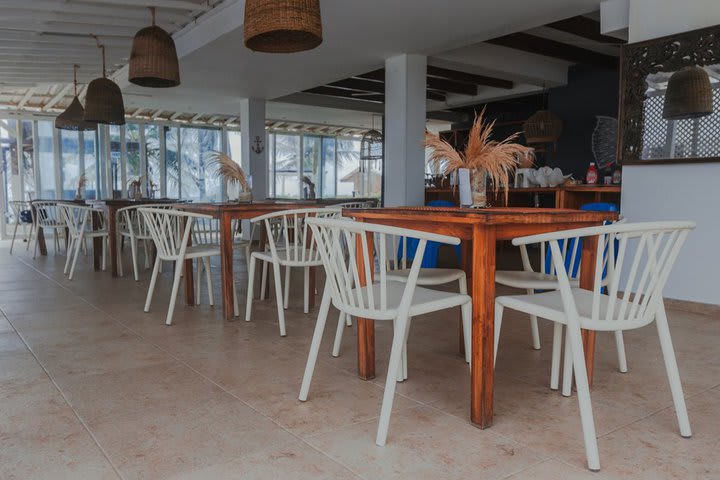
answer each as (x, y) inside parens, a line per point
(571, 196)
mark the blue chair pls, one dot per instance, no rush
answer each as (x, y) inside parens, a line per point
(432, 249)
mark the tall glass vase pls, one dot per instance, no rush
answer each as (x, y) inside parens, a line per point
(478, 188)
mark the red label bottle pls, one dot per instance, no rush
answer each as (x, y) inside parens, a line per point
(591, 177)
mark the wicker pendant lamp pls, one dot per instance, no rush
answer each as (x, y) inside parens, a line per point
(104, 102)
(688, 95)
(543, 126)
(72, 117)
(371, 145)
(282, 26)
(153, 58)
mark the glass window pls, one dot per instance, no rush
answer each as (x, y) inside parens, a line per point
(349, 177)
(329, 167)
(312, 160)
(27, 157)
(234, 142)
(152, 151)
(287, 159)
(133, 167)
(70, 162)
(172, 170)
(115, 161)
(199, 181)
(91, 171)
(46, 160)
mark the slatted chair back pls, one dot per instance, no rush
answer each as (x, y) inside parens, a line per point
(130, 222)
(47, 214)
(644, 255)
(344, 276)
(170, 230)
(363, 204)
(78, 218)
(19, 206)
(289, 237)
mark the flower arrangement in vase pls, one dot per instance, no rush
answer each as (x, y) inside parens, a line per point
(228, 169)
(135, 189)
(483, 158)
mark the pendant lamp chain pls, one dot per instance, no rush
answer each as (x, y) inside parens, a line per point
(75, 68)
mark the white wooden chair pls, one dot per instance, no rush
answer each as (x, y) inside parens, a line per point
(544, 279)
(363, 204)
(79, 221)
(48, 217)
(644, 258)
(17, 207)
(130, 225)
(398, 269)
(171, 231)
(382, 299)
(290, 245)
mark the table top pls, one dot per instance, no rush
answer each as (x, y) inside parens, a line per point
(127, 202)
(490, 216)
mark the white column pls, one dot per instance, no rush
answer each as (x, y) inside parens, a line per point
(405, 110)
(252, 125)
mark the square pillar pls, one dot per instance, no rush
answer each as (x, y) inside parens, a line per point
(254, 144)
(405, 112)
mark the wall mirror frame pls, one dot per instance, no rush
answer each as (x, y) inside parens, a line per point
(643, 60)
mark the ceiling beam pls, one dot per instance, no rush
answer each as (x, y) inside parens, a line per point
(551, 48)
(359, 84)
(451, 86)
(157, 114)
(26, 97)
(172, 4)
(586, 28)
(51, 103)
(470, 78)
(97, 9)
(342, 93)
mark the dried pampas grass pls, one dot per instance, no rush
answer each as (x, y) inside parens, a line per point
(497, 159)
(229, 170)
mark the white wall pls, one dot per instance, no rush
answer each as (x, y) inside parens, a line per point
(681, 191)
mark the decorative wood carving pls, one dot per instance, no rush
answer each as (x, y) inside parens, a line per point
(637, 61)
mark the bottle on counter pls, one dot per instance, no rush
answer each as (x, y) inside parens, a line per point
(591, 177)
(617, 175)
(607, 177)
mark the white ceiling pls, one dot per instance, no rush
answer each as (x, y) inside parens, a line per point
(217, 70)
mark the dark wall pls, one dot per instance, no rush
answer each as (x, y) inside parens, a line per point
(590, 91)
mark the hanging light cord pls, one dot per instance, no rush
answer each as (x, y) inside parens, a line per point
(152, 12)
(101, 47)
(75, 69)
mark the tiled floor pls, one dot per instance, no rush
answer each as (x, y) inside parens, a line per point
(92, 387)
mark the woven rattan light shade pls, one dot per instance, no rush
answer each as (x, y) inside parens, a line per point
(73, 118)
(104, 103)
(371, 145)
(542, 127)
(153, 59)
(282, 26)
(688, 95)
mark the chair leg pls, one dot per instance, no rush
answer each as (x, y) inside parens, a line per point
(78, 242)
(279, 298)
(315, 345)
(339, 334)
(208, 273)
(153, 279)
(556, 354)
(105, 241)
(119, 258)
(133, 252)
(306, 289)
(672, 372)
(622, 359)
(263, 280)
(176, 286)
(404, 369)
(198, 283)
(286, 296)
(567, 367)
(30, 237)
(250, 288)
(236, 306)
(583, 393)
(534, 326)
(348, 320)
(466, 315)
(498, 325)
(68, 258)
(12, 243)
(398, 344)
(37, 231)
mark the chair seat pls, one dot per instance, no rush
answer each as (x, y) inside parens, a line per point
(95, 233)
(549, 305)
(196, 251)
(294, 259)
(424, 301)
(428, 276)
(52, 225)
(527, 280)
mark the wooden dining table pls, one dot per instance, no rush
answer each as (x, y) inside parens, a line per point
(479, 231)
(226, 213)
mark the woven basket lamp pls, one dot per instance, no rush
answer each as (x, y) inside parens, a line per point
(542, 127)
(153, 58)
(688, 95)
(104, 101)
(72, 117)
(282, 26)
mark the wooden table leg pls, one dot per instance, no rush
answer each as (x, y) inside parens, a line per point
(482, 384)
(42, 246)
(366, 328)
(97, 242)
(226, 260)
(466, 256)
(112, 240)
(587, 280)
(189, 275)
